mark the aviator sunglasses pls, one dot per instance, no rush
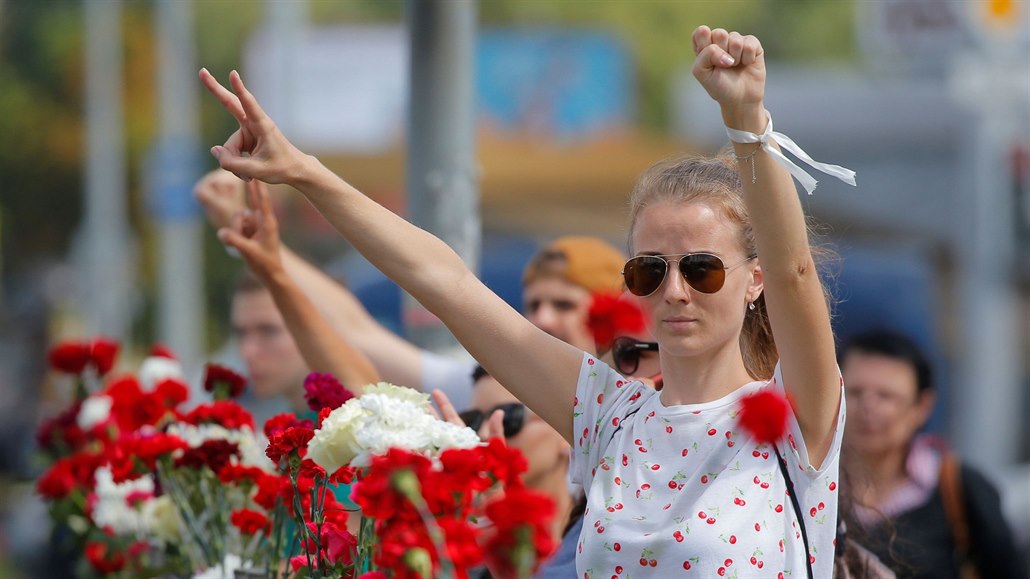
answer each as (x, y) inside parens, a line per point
(704, 272)
(514, 417)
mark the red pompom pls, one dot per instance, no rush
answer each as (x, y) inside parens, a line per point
(610, 316)
(764, 415)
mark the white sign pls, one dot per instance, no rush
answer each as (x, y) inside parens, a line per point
(340, 89)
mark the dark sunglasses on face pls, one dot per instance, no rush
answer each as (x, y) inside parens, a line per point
(626, 354)
(514, 417)
(704, 272)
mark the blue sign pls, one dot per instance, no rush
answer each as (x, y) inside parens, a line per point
(172, 168)
(560, 83)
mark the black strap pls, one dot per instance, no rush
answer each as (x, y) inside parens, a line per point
(621, 420)
(797, 510)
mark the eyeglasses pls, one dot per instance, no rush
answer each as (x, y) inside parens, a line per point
(514, 417)
(704, 272)
(626, 354)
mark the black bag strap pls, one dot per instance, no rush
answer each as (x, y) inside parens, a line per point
(797, 510)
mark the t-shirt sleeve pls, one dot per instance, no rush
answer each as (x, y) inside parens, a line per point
(817, 487)
(603, 399)
(452, 377)
(794, 447)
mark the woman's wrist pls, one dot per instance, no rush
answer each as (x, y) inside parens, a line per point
(751, 118)
(304, 171)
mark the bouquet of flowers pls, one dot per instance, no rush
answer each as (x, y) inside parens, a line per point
(423, 486)
(140, 487)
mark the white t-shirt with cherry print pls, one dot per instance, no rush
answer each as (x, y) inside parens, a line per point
(683, 491)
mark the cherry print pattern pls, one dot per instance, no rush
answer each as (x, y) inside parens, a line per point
(684, 491)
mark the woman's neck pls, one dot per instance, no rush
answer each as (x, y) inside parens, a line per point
(880, 475)
(704, 377)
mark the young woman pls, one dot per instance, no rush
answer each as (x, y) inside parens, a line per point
(672, 483)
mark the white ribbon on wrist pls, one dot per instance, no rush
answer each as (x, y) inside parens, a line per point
(785, 142)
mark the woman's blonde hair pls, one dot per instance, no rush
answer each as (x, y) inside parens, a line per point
(715, 182)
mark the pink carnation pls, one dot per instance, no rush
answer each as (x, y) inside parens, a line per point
(324, 391)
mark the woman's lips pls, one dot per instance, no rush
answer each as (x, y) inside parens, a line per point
(677, 322)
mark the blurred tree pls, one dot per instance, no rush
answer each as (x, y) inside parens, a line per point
(40, 119)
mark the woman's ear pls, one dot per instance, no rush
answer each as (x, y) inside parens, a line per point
(757, 282)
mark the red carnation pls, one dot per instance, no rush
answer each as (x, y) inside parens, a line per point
(103, 559)
(284, 443)
(398, 541)
(611, 316)
(270, 488)
(69, 356)
(137, 453)
(75, 472)
(520, 515)
(225, 413)
(239, 474)
(764, 415)
(324, 391)
(343, 475)
(102, 353)
(214, 454)
(57, 482)
(281, 422)
(249, 521)
(223, 382)
(171, 392)
(503, 462)
(377, 493)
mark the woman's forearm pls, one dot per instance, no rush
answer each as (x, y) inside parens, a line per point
(321, 347)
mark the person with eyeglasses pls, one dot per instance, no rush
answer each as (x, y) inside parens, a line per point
(674, 484)
(630, 355)
(546, 451)
(923, 511)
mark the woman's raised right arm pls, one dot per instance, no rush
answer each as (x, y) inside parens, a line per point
(539, 369)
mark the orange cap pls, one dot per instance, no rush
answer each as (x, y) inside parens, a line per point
(589, 262)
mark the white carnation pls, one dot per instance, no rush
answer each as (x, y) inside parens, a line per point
(333, 444)
(384, 417)
(446, 435)
(403, 393)
(157, 369)
(95, 410)
(166, 523)
(113, 510)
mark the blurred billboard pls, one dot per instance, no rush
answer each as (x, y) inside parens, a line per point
(344, 89)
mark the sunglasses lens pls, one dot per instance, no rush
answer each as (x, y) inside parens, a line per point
(514, 418)
(472, 418)
(703, 272)
(626, 357)
(644, 274)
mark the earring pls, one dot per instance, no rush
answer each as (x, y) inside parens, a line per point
(751, 306)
